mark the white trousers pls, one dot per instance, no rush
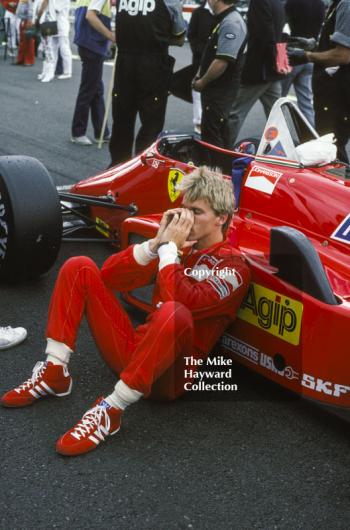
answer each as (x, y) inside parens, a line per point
(52, 45)
(62, 44)
(12, 28)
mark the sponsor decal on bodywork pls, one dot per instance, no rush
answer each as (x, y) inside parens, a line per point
(102, 227)
(174, 178)
(278, 150)
(271, 134)
(325, 387)
(342, 232)
(240, 348)
(259, 358)
(263, 179)
(255, 356)
(272, 312)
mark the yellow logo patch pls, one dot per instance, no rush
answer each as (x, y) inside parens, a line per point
(102, 227)
(174, 178)
(272, 312)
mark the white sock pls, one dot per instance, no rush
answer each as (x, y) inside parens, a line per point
(57, 352)
(122, 396)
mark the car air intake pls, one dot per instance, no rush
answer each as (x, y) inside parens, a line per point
(298, 263)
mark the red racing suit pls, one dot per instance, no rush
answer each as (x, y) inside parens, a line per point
(194, 302)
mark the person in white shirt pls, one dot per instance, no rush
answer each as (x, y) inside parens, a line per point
(57, 10)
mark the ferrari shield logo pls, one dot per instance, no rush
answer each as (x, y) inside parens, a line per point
(174, 178)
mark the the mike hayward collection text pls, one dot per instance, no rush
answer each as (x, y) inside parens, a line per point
(198, 378)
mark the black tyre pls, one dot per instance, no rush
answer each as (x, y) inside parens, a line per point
(30, 218)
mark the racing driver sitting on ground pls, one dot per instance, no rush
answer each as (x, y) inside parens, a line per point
(192, 310)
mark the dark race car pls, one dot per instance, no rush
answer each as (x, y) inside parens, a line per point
(292, 224)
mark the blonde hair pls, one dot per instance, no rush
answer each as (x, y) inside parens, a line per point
(210, 185)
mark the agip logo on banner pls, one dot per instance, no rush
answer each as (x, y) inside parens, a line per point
(135, 7)
(272, 312)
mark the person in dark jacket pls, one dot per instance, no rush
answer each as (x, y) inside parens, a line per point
(260, 79)
(200, 27)
(331, 77)
(92, 35)
(305, 19)
(220, 71)
(144, 32)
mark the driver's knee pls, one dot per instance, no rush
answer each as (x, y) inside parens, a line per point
(178, 317)
(76, 265)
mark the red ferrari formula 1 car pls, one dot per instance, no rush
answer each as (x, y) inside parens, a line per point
(292, 224)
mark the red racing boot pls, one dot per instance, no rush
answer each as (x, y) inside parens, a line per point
(100, 421)
(48, 379)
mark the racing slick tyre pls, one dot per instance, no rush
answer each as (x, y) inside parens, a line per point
(30, 218)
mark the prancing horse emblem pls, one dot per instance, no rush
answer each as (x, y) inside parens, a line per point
(174, 178)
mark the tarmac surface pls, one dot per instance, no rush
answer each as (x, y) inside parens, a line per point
(255, 458)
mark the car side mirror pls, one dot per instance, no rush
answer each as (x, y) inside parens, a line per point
(146, 156)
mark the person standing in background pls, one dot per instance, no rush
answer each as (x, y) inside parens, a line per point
(11, 26)
(61, 41)
(26, 47)
(331, 77)
(144, 32)
(200, 27)
(305, 19)
(260, 79)
(57, 10)
(92, 35)
(220, 70)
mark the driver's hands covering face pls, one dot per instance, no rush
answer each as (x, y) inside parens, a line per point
(175, 226)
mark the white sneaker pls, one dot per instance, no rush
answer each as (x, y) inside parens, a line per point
(81, 140)
(47, 71)
(47, 78)
(64, 76)
(11, 336)
(105, 139)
